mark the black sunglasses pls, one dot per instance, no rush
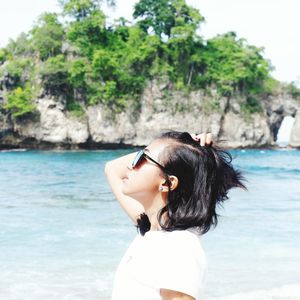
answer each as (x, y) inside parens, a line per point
(140, 156)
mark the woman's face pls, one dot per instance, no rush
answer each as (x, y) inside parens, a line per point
(142, 183)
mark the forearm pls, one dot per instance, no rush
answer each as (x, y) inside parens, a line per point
(115, 170)
(118, 167)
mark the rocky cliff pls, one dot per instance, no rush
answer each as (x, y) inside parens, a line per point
(161, 109)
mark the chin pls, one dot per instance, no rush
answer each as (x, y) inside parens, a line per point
(127, 192)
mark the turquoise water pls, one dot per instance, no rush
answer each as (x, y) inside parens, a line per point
(62, 233)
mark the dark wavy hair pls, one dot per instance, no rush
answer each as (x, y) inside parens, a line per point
(205, 175)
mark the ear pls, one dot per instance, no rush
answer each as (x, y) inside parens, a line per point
(173, 184)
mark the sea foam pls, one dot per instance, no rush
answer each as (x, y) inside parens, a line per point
(286, 292)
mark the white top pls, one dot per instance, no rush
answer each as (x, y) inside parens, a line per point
(161, 260)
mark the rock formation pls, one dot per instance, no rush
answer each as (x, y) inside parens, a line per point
(161, 109)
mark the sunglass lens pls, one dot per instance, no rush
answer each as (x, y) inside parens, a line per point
(138, 159)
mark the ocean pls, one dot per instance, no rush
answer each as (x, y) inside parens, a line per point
(62, 233)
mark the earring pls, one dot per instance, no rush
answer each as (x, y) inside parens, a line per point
(161, 188)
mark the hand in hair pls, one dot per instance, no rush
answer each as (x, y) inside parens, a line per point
(205, 139)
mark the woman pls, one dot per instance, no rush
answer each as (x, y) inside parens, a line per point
(170, 191)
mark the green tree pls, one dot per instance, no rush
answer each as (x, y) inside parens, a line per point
(158, 16)
(19, 71)
(105, 65)
(19, 102)
(187, 20)
(21, 46)
(3, 55)
(86, 28)
(54, 74)
(293, 90)
(88, 34)
(112, 64)
(81, 9)
(233, 64)
(78, 72)
(178, 22)
(183, 43)
(114, 74)
(79, 78)
(162, 16)
(47, 36)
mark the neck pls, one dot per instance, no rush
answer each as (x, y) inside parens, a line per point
(154, 221)
(152, 213)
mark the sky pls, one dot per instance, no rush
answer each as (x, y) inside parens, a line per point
(272, 24)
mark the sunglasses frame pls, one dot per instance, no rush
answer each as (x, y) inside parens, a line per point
(138, 159)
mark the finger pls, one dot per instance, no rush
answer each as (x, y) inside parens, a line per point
(194, 137)
(202, 137)
(199, 136)
(208, 140)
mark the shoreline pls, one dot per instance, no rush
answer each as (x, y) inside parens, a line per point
(116, 146)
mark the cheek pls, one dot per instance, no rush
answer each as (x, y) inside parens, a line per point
(141, 184)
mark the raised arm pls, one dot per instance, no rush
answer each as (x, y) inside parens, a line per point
(115, 171)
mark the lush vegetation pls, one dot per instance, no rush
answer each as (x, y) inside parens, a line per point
(20, 102)
(76, 56)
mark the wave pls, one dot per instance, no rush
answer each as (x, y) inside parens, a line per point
(271, 169)
(14, 150)
(286, 292)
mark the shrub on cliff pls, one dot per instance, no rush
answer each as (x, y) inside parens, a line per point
(54, 75)
(3, 56)
(21, 47)
(78, 73)
(20, 102)
(18, 70)
(293, 90)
